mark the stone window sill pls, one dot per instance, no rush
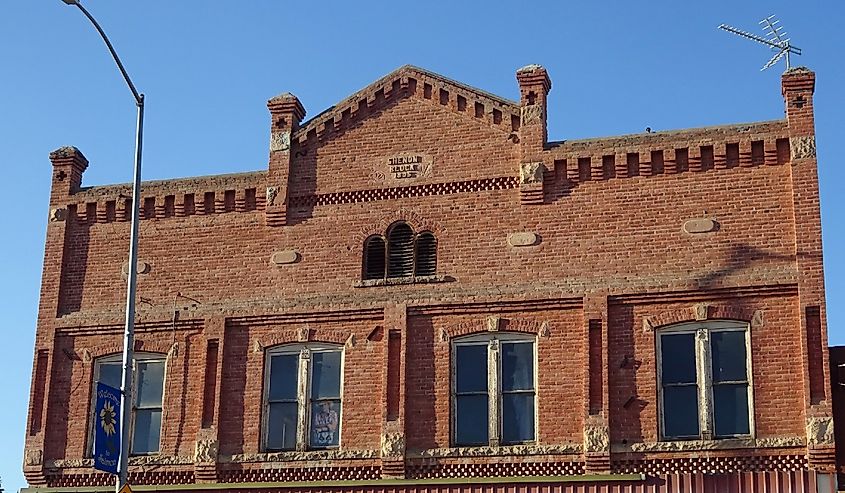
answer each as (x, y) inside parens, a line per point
(720, 444)
(399, 281)
(502, 450)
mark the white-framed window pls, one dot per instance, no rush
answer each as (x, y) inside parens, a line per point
(704, 380)
(145, 423)
(302, 397)
(494, 389)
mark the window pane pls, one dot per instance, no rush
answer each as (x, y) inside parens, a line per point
(680, 411)
(471, 368)
(728, 353)
(283, 376)
(111, 373)
(677, 353)
(471, 422)
(147, 431)
(150, 383)
(730, 409)
(281, 426)
(517, 418)
(518, 366)
(325, 422)
(325, 375)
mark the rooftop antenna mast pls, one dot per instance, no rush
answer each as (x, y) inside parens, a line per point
(775, 39)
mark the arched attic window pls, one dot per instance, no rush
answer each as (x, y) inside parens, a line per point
(425, 258)
(374, 257)
(400, 251)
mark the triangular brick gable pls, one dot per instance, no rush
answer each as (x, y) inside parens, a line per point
(474, 103)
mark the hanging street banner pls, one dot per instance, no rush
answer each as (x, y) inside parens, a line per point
(107, 428)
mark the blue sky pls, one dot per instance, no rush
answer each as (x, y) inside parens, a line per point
(208, 67)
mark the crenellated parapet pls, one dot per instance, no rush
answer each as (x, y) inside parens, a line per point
(707, 149)
(164, 199)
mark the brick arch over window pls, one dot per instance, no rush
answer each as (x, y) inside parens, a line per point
(704, 311)
(303, 336)
(495, 324)
(414, 220)
(141, 346)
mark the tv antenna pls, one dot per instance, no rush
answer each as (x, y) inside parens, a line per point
(775, 38)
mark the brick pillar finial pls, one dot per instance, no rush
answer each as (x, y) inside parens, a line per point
(68, 165)
(286, 112)
(797, 87)
(534, 87)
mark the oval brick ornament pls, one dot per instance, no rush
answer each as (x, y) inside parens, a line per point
(141, 268)
(701, 225)
(523, 239)
(284, 257)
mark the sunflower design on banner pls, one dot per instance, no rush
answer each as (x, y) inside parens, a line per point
(107, 428)
(107, 418)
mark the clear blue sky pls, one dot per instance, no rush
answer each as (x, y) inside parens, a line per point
(208, 68)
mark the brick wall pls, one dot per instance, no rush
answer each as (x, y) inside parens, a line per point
(627, 234)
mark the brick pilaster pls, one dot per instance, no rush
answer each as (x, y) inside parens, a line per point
(798, 86)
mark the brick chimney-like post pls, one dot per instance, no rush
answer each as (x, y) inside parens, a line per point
(68, 165)
(534, 87)
(286, 112)
(798, 85)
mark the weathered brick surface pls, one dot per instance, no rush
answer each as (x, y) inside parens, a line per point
(609, 217)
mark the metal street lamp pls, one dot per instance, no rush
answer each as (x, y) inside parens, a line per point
(129, 328)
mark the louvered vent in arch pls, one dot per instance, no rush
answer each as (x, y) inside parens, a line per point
(426, 258)
(374, 256)
(400, 253)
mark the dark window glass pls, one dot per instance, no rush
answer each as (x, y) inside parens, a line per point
(149, 386)
(730, 409)
(145, 436)
(146, 412)
(282, 416)
(471, 399)
(325, 399)
(111, 373)
(400, 251)
(680, 389)
(730, 383)
(426, 255)
(678, 358)
(283, 377)
(517, 417)
(471, 368)
(281, 426)
(374, 257)
(517, 385)
(150, 378)
(517, 366)
(325, 375)
(728, 355)
(471, 422)
(680, 411)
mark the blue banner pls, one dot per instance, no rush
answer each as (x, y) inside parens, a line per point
(107, 428)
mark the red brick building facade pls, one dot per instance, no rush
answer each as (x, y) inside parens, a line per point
(424, 292)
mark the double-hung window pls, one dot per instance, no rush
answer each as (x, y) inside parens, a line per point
(704, 374)
(302, 405)
(494, 389)
(145, 425)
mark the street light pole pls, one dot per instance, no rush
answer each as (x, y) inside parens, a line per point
(127, 396)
